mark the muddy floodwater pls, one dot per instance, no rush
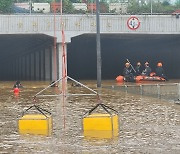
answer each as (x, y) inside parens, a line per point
(147, 125)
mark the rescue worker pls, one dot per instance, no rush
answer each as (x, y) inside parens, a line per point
(138, 68)
(127, 73)
(18, 84)
(147, 70)
(160, 71)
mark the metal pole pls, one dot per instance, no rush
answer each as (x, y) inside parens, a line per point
(159, 91)
(98, 45)
(92, 5)
(30, 6)
(151, 7)
(178, 91)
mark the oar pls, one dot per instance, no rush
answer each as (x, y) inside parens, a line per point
(131, 65)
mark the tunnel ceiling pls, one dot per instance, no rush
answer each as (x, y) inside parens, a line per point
(12, 45)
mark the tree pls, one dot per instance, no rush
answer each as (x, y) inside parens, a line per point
(133, 7)
(67, 6)
(5, 5)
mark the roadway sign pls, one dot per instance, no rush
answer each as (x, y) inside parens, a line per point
(133, 23)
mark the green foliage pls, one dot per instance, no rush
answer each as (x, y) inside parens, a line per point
(35, 1)
(165, 3)
(5, 5)
(41, 1)
(67, 6)
(157, 7)
(104, 7)
(177, 4)
(134, 7)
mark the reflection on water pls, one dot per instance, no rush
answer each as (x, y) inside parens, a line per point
(147, 125)
(100, 134)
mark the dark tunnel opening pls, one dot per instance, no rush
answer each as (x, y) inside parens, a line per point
(22, 56)
(116, 48)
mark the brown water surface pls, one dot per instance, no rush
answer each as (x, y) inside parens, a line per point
(147, 125)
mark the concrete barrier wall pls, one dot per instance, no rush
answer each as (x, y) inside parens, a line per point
(78, 24)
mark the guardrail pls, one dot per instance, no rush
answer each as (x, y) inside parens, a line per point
(169, 91)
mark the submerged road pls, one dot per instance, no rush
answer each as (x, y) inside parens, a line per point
(147, 125)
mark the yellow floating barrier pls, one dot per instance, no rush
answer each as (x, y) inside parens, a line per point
(35, 124)
(98, 121)
(101, 125)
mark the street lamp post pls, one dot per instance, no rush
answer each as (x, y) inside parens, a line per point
(151, 7)
(30, 6)
(98, 45)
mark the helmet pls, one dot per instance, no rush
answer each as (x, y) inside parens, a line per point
(127, 64)
(138, 63)
(146, 63)
(159, 64)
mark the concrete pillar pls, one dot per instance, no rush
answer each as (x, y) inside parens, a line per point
(20, 69)
(23, 68)
(50, 56)
(60, 54)
(37, 66)
(47, 64)
(32, 66)
(42, 65)
(34, 57)
(16, 69)
(8, 72)
(28, 67)
(26, 64)
(54, 64)
(17, 74)
(13, 66)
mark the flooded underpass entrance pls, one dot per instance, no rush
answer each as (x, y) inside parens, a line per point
(26, 57)
(146, 124)
(116, 48)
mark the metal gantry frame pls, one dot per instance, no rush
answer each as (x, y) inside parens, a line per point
(39, 109)
(94, 93)
(104, 107)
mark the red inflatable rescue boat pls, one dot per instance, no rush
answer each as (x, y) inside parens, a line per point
(140, 78)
